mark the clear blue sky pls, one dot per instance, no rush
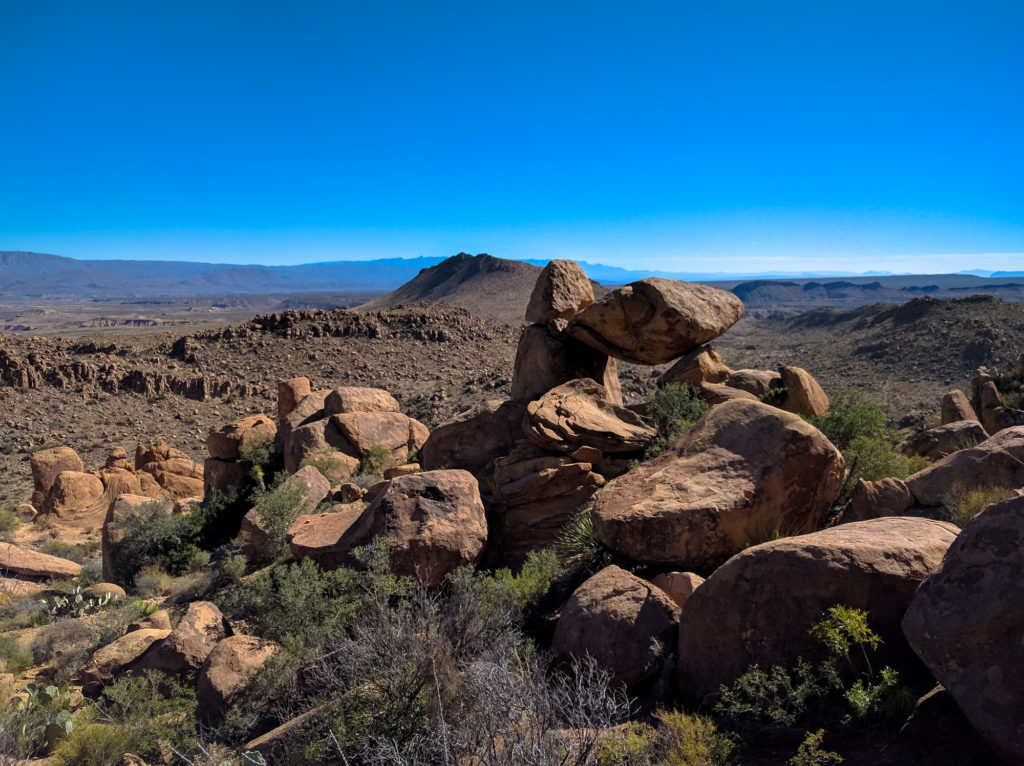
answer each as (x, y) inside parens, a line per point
(721, 135)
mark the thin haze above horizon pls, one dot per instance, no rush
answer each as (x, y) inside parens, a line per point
(731, 136)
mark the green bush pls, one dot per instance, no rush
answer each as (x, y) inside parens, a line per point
(968, 503)
(234, 567)
(68, 642)
(674, 409)
(95, 744)
(692, 740)
(579, 546)
(376, 461)
(9, 523)
(851, 415)
(631, 743)
(259, 452)
(17, 658)
(843, 687)
(277, 509)
(810, 753)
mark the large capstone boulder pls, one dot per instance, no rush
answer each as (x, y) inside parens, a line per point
(759, 606)
(936, 443)
(562, 290)
(546, 358)
(654, 321)
(230, 440)
(580, 413)
(432, 522)
(227, 672)
(744, 472)
(623, 622)
(967, 623)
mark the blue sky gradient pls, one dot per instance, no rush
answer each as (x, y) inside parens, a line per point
(733, 135)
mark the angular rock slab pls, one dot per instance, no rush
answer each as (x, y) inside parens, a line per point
(359, 399)
(654, 321)
(746, 470)
(580, 413)
(109, 661)
(189, 644)
(562, 290)
(616, 618)
(316, 536)
(956, 406)
(433, 523)
(289, 393)
(759, 606)
(966, 623)
(29, 563)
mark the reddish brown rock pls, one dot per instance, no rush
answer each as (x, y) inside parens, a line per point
(475, 438)
(46, 464)
(116, 521)
(877, 499)
(317, 536)
(718, 393)
(697, 367)
(654, 321)
(189, 644)
(118, 458)
(73, 492)
(358, 399)
(966, 622)
(110, 661)
(406, 469)
(562, 290)
(159, 620)
(222, 475)
(803, 394)
(936, 443)
(759, 606)
(545, 359)
(994, 416)
(432, 522)
(956, 406)
(744, 471)
(15, 560)
(289, 394)
(679, 586)
(619, 620)
(228, 441)
(155, 453)
(348, 493)
(756, 382)
(399, 434)
(100, 590)
(227, 672)
(579, 413)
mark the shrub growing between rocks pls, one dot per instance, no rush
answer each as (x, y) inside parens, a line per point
(673, 409)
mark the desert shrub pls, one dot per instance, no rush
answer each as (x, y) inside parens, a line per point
(673, 409)
(858, 429)
(143, 715)
(31, 726)
(25, 612)
(233, 567)
(579, 546)
(365, 480)
(630, 743)
(692, 740)
(328, 466)
(968, 503)
(9, 523)
(259, 452)
(199, 561)
(152, 581)
(192, 586)
(17, 658)
(92, 571)
(376, 461)
(810, 753)
(153, 536)
(79, 553)
(277, 509)
(68, 643)
(843, 687)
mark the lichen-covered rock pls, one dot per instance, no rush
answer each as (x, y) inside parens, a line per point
(966, 622)
(744, 471)
(759, 606)
(562, 290)
(620, 621)
(654, 321)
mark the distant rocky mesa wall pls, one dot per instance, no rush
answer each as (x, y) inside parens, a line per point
(37, 370)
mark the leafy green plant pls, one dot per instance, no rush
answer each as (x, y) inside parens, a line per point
(234, 567)
(16, 657)
(810, 753)
(376, 461)
(75, 604)
(673, 409)
(631, 743)
(692, 740)
(277, 509)
(775, 396)
(30, 726)
(258, 451)
(9, 523)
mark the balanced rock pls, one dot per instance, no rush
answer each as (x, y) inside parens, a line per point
(433, 522)
(359, 399)
(289, 394)
(744, 471)
(697, 367)
(562, 290)
(189, 644)
(226, 673)
(936, 443)
(475, 438)
(966, 622)
(579, 413)
(230, 440)
(654, 321)
(29, 563)
(620, 621)
(956, 406)
(759, 606)
(546, 358)
(803, 394)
